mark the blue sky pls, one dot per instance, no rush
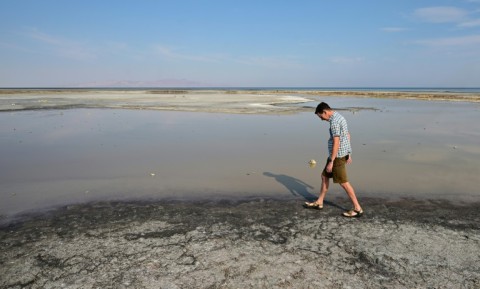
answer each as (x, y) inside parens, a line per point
(261, 43)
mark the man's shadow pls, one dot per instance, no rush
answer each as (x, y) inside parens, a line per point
(298, 188)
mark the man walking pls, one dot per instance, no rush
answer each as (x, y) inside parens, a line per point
(340, 150)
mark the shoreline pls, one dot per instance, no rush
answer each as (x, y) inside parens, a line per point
(397, 244)
(196, 100)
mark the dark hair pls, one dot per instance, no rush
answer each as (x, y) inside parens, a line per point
(321, 107)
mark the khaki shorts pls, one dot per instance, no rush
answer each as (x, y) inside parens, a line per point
(339, 172)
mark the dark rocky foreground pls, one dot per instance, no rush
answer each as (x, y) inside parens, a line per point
(244, 244)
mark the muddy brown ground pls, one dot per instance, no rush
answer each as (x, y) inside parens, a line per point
(257, 243)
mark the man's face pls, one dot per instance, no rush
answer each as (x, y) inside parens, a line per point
(323, 115)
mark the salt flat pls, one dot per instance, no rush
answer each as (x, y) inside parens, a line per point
(225, 101)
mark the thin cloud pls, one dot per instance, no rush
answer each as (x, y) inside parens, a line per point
(393, 29)
(441, 14)
(263, 61)
(470, 23)
(444, 14)
(346, 60)
(268, 61)
(452, 41)
(63, 47)
(172, 54)
(16, 47)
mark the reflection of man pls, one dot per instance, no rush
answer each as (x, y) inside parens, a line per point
(339, 149)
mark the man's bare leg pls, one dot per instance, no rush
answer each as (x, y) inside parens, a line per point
(323, 190)
(351, 193)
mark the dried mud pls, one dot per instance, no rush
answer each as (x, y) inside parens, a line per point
(244, 244)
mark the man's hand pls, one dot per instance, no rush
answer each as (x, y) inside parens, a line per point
(349, 161)
(329, 167)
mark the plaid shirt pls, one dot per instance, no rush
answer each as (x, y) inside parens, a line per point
(338, 127)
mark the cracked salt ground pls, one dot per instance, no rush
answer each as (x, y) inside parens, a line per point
(248, 244)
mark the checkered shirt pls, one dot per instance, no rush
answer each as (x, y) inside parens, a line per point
(338, 127)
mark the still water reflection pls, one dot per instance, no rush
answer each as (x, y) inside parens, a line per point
(403, 148)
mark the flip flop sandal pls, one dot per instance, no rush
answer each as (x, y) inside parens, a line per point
(353, 214)
(313, 205)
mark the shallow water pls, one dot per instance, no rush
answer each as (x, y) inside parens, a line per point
(403, 148)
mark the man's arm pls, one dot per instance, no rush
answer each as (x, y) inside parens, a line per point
(336, 146)
(349, 161)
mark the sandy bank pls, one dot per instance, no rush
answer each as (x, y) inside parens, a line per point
(225, 101)
(175, 100)
(438, 96)
(249, 244)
